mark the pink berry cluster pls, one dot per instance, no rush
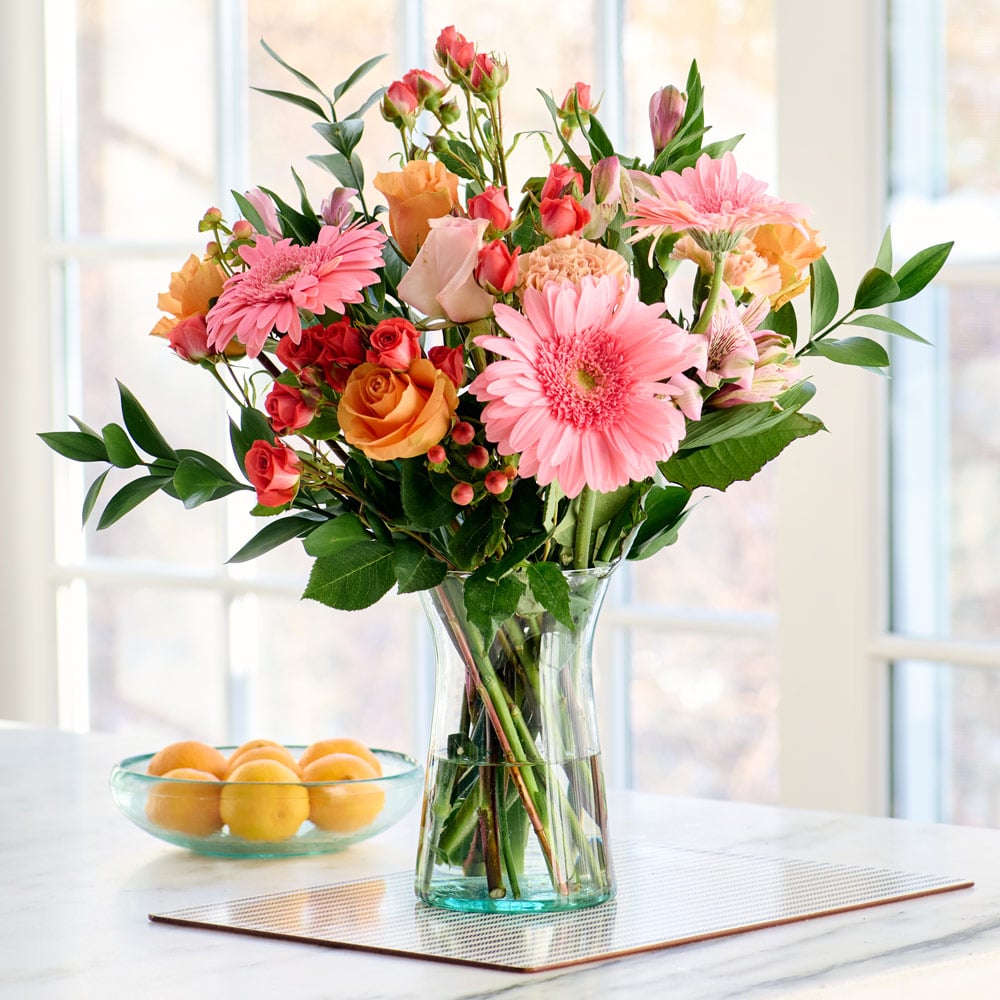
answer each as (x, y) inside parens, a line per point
(471, 465)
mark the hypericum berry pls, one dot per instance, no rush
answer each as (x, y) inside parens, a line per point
(242, 230)
(495, 482)
(478, 457)
(463, 432)
(462, 494)
(436, 455)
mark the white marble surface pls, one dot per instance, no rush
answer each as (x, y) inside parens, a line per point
(77, 882)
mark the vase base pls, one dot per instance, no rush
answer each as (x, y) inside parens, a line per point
(471, 895)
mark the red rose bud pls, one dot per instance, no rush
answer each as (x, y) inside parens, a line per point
(288, 408)
(562, 180)
(273, 471)
(496, 269)
(462, 494)
(428, 88)
(478, 457)
(463, 433)
(399, 104)
(666, 112)
(455, 53)
(492, 206)
(495, 482)
(562, 216)
(451, 361)
(436, 455)
(394, 343)
(487, 76)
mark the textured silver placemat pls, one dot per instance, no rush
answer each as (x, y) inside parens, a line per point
(666, 896)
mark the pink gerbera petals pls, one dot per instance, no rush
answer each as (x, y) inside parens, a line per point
(282, 277)
(712, 201)
(582, 389)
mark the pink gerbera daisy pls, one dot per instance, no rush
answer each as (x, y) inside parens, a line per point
(283, 277)
(583, 394)
(712, 201)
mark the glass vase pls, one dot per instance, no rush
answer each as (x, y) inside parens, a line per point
(514, 815)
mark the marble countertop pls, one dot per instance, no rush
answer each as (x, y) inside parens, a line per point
(77, 882)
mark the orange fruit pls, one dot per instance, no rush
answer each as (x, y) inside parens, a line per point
(264, 752)
(350, 804)
(251, 745)
(321, 748)
(188, 753)
(263, 800)
(190, 805)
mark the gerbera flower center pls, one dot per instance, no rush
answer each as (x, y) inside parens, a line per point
(585, 380)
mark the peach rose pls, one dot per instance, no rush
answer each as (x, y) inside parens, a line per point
(391, 414)
(442, 283)
(421, 191)
(792, 249)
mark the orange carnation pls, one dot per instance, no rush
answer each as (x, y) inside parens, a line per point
(421, 191)
(391, 415)
(792, 249)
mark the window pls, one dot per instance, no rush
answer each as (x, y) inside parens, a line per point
(746, 662)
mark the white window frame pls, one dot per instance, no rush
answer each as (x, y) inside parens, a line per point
(834, 650)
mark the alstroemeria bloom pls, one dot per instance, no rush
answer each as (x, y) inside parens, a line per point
(283, 277)
(712, 201)
(441, 281)
(337, 210)
(732, 352)
(267, 211)
(583, 389)
(775, 372)
(666, 112)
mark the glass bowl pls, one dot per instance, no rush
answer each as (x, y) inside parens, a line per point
(271, 819)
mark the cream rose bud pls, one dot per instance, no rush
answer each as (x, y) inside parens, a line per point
(441, 281)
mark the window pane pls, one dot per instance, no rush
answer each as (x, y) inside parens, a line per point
(704, 716)
(146, 152)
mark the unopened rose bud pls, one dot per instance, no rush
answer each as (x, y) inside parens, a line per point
(463, 433)
(487, 76)
(399, 104)
(448, 112)
(428, 88)
(462, 494)
(666, 112)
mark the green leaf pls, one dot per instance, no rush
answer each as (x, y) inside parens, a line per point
(824, 297)
(273, 534)
(338, 165)
(253, 426)
(883, 259)
(76, 445)
(597, 139)
(249, 211)
(301, 77)
(334, 534)
(364, 68)
(488, 602)
(376, 95)
(518, 551)
(852, 351)
(303, 102)
(303, 228)
(344, 135)
(478, 536)
(458, 157)
(726, 462)
(920, 270)
(877, 288)
(551, 589)
(886, 325)
(307, 209)
(426, 496)
(357, 577)
(144, 432)
(90, 500)
(415, 568)
(120, 450)
(782, 321)
(196, 483)
(129, 496)
(666, 511)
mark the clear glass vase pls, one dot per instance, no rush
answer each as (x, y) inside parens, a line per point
(514, 815)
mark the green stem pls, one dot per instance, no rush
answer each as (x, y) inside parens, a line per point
(714, 293)
(584, 528)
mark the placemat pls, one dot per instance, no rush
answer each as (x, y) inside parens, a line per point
(667, 896)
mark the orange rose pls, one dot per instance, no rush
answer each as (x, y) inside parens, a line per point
(421, 191)
(792, 250)
(192, 290)
(391, 414)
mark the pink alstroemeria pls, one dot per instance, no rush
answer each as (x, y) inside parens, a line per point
(712, 201)
(337, 210)
(732, 351)
(583, 391)
(266, 210)
(283, 277)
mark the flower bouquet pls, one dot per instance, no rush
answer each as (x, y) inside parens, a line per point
(479, 392)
